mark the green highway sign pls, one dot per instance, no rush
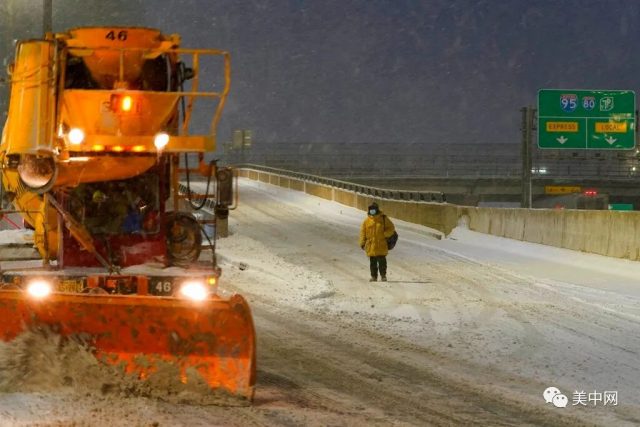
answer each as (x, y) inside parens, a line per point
(620, 207)
(586, 119)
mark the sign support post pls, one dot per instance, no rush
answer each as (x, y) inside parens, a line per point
(527, 138)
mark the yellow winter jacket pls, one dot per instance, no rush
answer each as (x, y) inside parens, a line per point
(374, 232)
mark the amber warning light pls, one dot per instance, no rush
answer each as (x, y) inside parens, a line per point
(122, 103)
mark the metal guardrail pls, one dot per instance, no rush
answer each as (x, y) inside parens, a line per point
(456, 160)
(609, 169)
(381, 193)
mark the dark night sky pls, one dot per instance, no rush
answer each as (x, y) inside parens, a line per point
(394, 70)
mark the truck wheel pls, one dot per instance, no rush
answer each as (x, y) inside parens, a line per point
(184, 239)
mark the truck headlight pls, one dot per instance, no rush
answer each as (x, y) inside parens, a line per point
(161, 140)
(39, 288)
(76, 136)
(194, 290)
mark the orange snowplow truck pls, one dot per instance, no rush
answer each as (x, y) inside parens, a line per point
(90, 155)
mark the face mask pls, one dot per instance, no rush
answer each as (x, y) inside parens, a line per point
(373, 211)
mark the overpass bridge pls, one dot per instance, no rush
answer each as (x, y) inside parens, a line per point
(506, 192)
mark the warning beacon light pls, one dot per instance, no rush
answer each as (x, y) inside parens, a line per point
(122, 103)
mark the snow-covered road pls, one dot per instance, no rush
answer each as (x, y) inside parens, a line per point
(470, 329)
(503, 319)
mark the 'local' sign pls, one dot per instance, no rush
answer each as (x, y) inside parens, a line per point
(593, 119)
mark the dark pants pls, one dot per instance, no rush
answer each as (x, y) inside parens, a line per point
(376, 262)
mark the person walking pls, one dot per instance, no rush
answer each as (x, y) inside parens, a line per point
(374, 232)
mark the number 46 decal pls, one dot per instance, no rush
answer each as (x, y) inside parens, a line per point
(120, 35)
(163, 287)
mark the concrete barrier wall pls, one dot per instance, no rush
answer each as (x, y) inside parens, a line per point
(318, 190)
(438, 216)
(610, 233)
(296, 184)
(624, 232)
(285, 182)
(344, 197)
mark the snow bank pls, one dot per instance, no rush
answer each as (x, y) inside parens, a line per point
(43, 361)
(247, 261)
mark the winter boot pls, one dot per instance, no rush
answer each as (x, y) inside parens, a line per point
(383, 278)
(373, 279)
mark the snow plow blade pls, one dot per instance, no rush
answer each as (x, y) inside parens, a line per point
(214, 338)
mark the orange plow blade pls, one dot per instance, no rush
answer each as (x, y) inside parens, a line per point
(215, 337)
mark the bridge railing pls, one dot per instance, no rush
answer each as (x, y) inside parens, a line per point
(381, 193)
(414, 161)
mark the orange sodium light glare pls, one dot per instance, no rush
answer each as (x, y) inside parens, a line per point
(117, 148)
(137, 148)
(127, 103)
(98, 148)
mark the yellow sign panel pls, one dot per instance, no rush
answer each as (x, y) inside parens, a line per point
(70, 285)
(561, 189)
(562, 126)
(611, 127)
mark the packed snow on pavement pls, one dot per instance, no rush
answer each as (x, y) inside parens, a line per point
(469, 328)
